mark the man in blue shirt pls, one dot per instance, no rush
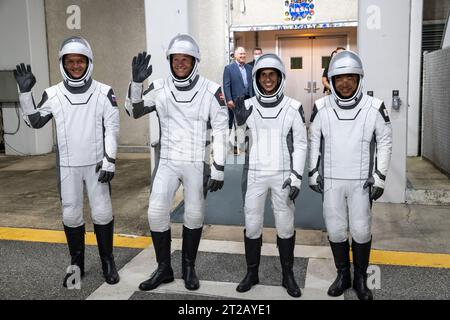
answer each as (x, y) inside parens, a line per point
(237, 82)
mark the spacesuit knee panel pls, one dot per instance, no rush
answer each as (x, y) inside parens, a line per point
(102, 218)
(337, 236)
(337, 230)
(253, 225)
(285, 231)
(361, 233)
(158, 216)
(73, 218)
(253, 231)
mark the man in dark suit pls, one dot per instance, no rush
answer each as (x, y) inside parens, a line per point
(257, 52)
(237, 82)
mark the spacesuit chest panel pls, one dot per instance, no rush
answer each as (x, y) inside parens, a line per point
(183, 120)
(269, 127)
(347, 136)
(79, 126)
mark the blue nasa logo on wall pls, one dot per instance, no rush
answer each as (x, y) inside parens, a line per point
(297, 10)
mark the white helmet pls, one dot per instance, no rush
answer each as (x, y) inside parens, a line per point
(184, 44)
(265, 61)
(76, 45)
(346, 62)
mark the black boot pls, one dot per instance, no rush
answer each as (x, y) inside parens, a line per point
(104, 234)
(75, 240)
(252, 256)
(361, 254)
(164, 272)
(341, 254)
(286, 250)
(191, 240)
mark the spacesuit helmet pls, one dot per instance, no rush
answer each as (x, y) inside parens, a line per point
(346, 62)
(184, 44)
(76, 45)
(268, 61)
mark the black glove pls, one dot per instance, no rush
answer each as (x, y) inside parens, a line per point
(319, 186)
(104, 176)
(140, 67)
(240, 113)
(24, 77)
(376, 192)
(215, 185)
(294, 190)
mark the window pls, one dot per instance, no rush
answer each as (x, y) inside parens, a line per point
(296, 63)
(326, 61)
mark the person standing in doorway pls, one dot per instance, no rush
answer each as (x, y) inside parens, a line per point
(237, 82)
(257, 52)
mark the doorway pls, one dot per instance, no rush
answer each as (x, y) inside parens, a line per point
(305, 58)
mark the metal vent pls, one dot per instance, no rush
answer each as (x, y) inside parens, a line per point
(432, 36)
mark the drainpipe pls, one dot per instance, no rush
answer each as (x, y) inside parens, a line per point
(229, 36)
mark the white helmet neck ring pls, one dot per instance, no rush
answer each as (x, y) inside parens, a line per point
(187, 81)
(76, 83)
(269, 61)
(347, 102)
(76, 45)
(269, 98)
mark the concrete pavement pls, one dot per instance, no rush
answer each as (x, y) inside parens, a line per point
(30, 200)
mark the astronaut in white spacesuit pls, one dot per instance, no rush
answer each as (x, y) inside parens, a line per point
(276, 145)
(188, 106)
(87, 127)
(350, 151)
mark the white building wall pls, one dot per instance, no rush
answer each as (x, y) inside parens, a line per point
(383, 42)
(265, 12)
(207, 23)
(415, 53)
(23, 39)
(159, 31)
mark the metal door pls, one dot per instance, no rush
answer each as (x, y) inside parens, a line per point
(305, 60)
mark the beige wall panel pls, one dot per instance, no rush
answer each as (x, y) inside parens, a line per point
(116, 32)
(207, 25)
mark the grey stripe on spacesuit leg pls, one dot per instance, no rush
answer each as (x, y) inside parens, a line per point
(290, 146)
(372, 156)
(58, 172)
(157, 158)
(245, 170)
(157, 154)
(321, 161)
(206, 160)
(372, 161)
(206, 176)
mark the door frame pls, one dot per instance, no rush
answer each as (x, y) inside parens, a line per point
(309, 36)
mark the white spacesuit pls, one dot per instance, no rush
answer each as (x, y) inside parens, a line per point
(187, 109)
(275, 157)
(350, 150)
(87, 127)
